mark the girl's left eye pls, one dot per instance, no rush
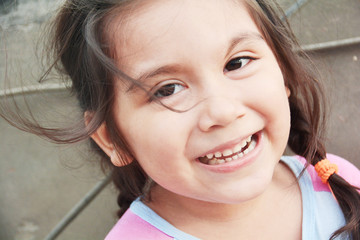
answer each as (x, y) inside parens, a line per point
(237, 63)
(168, 90)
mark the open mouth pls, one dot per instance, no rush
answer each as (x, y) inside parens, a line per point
(228, 155)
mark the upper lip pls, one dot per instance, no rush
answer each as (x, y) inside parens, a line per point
(227, 145)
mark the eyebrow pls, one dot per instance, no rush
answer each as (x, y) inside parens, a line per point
(167, 69)
(243, 38)
(173, 68)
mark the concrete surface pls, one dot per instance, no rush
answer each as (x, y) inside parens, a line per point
(40, 182)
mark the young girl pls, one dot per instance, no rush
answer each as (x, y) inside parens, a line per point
(192, 104)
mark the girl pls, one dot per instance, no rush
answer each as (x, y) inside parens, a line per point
(192, 104)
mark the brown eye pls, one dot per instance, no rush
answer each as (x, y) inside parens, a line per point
(168, 90)
(237, 63)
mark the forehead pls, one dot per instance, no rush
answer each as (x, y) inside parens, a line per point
(162, 28)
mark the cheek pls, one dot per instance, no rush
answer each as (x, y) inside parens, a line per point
(278, 115)
(155, 137)
(159, 143)
(270, 101)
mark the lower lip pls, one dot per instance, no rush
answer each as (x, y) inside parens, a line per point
(234, 165)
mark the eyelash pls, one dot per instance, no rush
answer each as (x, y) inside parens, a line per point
(167, 92)
(175, 86)
(239, 60)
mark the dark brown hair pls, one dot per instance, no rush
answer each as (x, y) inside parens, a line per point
(82, 49)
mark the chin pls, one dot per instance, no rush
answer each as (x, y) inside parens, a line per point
(246, 193)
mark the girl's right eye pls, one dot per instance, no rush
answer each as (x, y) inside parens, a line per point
(168, 90)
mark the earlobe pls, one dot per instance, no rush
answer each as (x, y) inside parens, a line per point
(102, 139)
(288, 92)
(115, 159)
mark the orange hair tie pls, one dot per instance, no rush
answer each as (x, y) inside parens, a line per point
(325, 169)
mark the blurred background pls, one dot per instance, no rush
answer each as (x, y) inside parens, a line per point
(41, 182)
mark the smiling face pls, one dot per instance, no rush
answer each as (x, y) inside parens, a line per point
(209, 58)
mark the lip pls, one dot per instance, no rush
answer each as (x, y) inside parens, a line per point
(235, 164)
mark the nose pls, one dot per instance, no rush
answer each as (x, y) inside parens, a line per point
(219, 111)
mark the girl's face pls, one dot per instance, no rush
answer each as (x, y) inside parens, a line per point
(206, 56)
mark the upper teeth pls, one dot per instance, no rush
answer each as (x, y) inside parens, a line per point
(228, 152)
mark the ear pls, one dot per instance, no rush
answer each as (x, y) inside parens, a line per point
(288, 91)
(102, 139)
